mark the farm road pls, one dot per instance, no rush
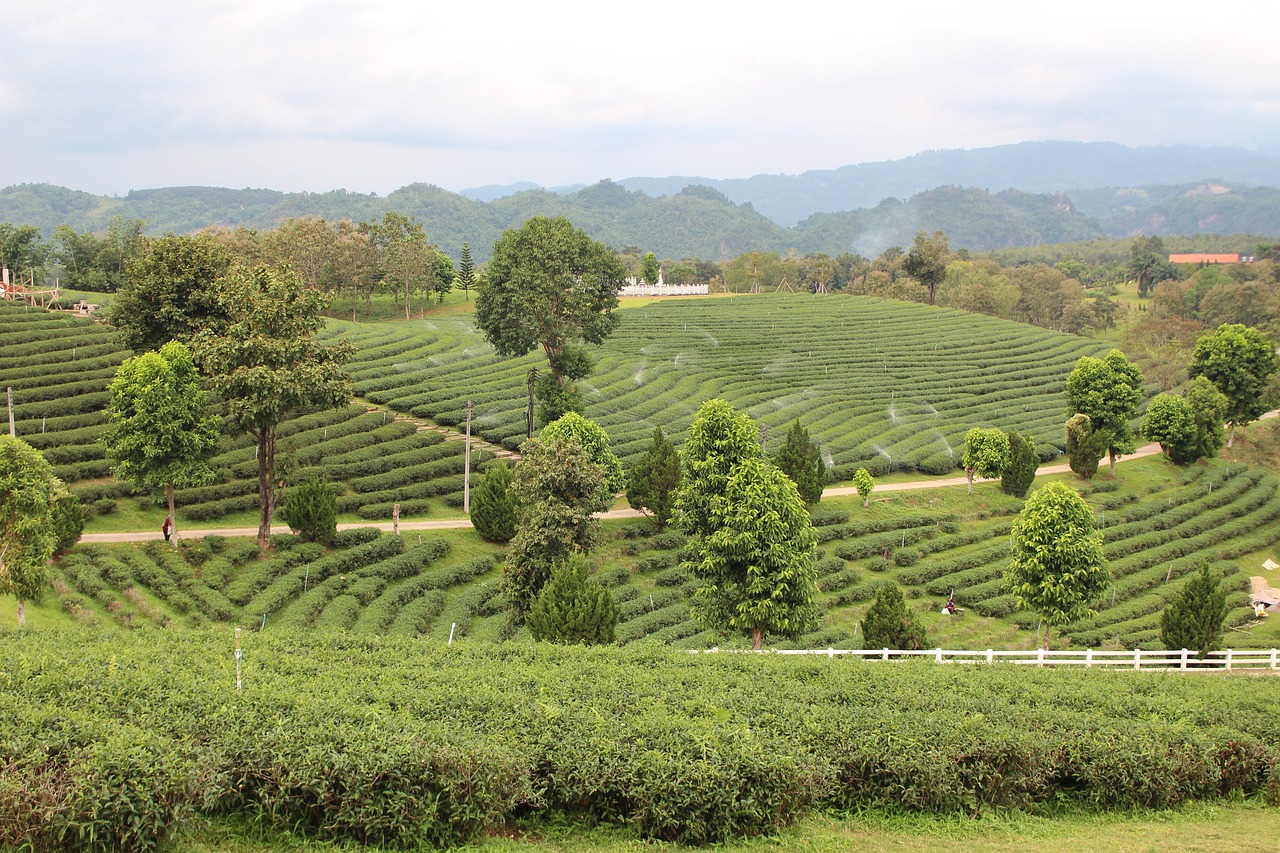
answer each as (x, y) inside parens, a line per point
(455, 523)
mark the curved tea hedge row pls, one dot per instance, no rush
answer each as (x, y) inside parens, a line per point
(403, 743)
(879, 383)
(59, 367)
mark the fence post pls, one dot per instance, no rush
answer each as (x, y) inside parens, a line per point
(991, 655)
(1040, 656)
(1184, 660)
(1229, 660)
(1088, 659)
(1137, 658)
(831, 652)
(937, 658)
(884, 656)
(1273, 658)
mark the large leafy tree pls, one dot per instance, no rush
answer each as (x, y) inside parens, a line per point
(1085, 445)
(558, 488)
(90, 262)
(1194, 619)
(1209, 411)
(407, 262)
(267, 365)
(926, 262)
(1058, 568)
(654, 479)
(1239, 360)
(1169, 422)
(27, 536)
(24, 252)
(549, 285)
(986, 453)
(754, 546)
(170, 292)
(160, 434)
(801, 460)
(1108, 390)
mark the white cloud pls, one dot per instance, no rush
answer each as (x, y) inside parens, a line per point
(374, 95)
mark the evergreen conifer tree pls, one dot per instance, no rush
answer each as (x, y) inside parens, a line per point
(493, 508)
(573, 608)
(653, 480)
(311, 508)
(466, 272)
(800, 459)
(889, 624)
(1194, 619)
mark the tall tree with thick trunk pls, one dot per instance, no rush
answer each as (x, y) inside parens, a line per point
(267, 365)
(927, 261)
(1239, 360)
(1108, 390)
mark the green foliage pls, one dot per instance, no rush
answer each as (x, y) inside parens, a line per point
(160, 436)
(927, 260)
(1240, 361)
(889, 624)
(573, 608)
(1085, 445)
(548, 285)
(170, 292)
(1170, 422)
(267, 364)
(650, 272)
(654, 480)
(1209, 410)
(1058, 566)
(311, 508)
(754, 548)
(864, 483)
(1108, 390)
(493, 507)
(986, 453)
(1194, 619)
(800, 459)
(1020, 473)
(558, 487)
(27, 538)
(66, 517)
(593, 439)
(466, 271)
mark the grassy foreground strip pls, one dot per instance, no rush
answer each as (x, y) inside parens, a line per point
(129, 741)
(1200, 827)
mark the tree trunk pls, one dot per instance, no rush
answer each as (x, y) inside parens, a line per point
(968, 472)
(1231, 434)
(1112, 454)
(173, 519)
(266, 484)
(408, 307)
(22, 613)
(757, 639)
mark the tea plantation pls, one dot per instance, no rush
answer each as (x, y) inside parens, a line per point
(880, 384)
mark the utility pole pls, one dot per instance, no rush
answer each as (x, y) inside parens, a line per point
(764, 434)
(466, 467)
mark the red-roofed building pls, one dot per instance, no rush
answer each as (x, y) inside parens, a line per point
(1204, 259)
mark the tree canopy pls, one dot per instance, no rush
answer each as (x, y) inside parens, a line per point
(27, 536)
(1193, 620)
(170, 292)
(1058, 567)
(801, 460)
(594, 440)
(927, 261)
(654, 480)
(986, 453)
(266, 364)
(754, 546)
(1239, 360)
(548, 285)
(160, 434)
(1108, 390)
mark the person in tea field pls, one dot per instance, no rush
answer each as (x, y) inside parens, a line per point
(167, 528)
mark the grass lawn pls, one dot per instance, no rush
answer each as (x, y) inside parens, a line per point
(1231, 827)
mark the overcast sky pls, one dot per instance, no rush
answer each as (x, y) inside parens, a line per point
(370, 95)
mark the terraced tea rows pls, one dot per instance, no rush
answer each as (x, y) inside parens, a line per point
(878, 383)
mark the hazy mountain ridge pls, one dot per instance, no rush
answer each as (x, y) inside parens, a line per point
(701, 219)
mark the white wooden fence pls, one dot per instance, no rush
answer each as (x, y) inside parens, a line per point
(1175, 659)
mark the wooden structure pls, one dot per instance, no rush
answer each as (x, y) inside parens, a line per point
(17, 291)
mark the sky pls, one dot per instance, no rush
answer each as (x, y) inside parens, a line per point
(372, 95)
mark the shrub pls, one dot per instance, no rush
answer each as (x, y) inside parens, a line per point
(889, 625)
(311, 508)
(1194, 619)
(493, 508)
(572, 608)
(1021, 470)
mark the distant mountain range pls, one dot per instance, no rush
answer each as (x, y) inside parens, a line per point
(1014, 195)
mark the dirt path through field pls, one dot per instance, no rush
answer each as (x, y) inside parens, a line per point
(457, 523)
